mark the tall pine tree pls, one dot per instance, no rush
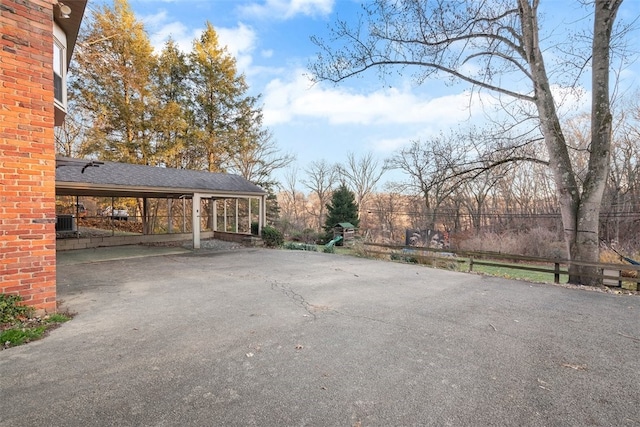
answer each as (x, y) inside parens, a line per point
(174, 109)
(112, 85)
(223, 111)
(172, 131)
(343, 208)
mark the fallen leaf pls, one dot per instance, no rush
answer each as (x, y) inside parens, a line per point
(543, 384)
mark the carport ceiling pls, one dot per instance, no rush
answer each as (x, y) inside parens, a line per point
(76, 177)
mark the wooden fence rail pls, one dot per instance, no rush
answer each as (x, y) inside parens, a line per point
(611, 274)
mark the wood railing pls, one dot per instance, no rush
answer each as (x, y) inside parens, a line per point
(610, 274)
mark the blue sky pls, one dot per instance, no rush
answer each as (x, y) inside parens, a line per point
(271, 41)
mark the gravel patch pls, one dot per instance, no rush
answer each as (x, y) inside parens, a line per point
(210, 244)
(218, 245)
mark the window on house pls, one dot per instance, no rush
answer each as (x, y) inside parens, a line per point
(58, 72)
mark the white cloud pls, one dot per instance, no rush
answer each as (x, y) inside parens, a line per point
(285, 101)
(387, 145)
(240, 41)
(160, 29)
(570, 100)
(155, 20)
(286, 9)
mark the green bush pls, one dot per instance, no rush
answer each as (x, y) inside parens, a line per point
(255, 225)
(404, 258)
(13, 337)
(329, 249)
(296, 246)
(271, 237)
(10, 311)
(307, 235)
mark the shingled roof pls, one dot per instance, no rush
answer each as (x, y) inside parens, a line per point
(79, 177)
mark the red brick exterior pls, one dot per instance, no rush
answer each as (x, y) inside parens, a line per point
(27, 153)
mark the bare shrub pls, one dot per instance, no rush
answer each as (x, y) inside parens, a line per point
(359, 249)
(490, 242)
(537, 242)
(541, 242)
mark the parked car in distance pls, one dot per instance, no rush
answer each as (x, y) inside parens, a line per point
(115, 214)
(120, 214)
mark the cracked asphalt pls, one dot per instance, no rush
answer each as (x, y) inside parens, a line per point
(257, 337)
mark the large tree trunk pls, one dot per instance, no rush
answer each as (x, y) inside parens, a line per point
(580, 208)
(586, 246)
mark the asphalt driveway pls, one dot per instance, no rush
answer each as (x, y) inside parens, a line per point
(256, 337)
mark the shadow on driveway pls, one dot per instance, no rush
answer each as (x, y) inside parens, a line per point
(281, 338)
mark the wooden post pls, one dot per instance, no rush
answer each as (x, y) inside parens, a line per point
(619, 278)
(169, 215)
(556, 274)
(470, 263)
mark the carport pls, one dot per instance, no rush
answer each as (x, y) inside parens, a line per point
(81, 177)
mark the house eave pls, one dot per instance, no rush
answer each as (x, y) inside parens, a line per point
(70, 25)
(102, 190)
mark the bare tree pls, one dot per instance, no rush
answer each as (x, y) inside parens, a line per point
(622, 197)
(387, 208)
(293, 201)
(477, 191)
(257, 161)
(497, 46)
(431, 166)
(361, 175)
(67, 138)
(320, 179)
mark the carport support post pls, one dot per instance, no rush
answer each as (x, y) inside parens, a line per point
(145, 213)
(184, 213)
(196, 220)
(215, 214)
(236, 215)
(211, 213)
(261, 214)
(169, 215)
(249, 211)
(225, 215)
(113, 225)
(77, 217)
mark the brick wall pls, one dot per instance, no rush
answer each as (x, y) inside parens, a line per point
(27, 153)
